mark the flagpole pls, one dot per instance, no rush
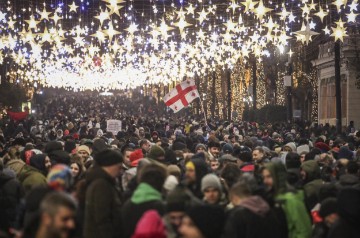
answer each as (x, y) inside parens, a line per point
(202, 108)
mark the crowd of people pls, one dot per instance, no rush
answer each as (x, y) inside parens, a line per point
(62, 174)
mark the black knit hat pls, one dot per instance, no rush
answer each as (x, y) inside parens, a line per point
(209, 219)
(328, 207)
(108, 157)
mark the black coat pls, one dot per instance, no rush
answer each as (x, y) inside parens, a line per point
(10, 195)
(102, 206)
(243, 223)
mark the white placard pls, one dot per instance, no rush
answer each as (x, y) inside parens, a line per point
(287, 81)
(114, 126)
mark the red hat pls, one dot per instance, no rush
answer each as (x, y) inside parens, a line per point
(322, 146)
(66, 132)
(135, 156)
(248, 168)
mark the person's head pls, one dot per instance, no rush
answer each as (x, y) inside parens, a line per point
(258, 154)
(302, 156)
(153, 175)
(211, 188)
(275, 177)
(156, 153)
(77, 168)
(126, 157)
(200, 148)
(328, 211)
(110, 160)
(155, 135)
(177, 202)
(84, 152)
(60, 178)
(352, 168)
(57, 217)
(214, 148)
(214, 164)
(238, 192)
(145, 145)
(41, 162)
(190, 172)
(310, 171)
(203, 221)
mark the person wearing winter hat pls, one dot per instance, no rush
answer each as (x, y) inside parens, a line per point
(211, 188)
(195, 170)
(178, 201)
(214, 148)
(227, 149)
(328, 211)
(290, 147)
(156, 153)
(311, 178)
(103, 204)
(205, 221)
(200, 148)
(135, 156)
(84, 152)
(41, 162)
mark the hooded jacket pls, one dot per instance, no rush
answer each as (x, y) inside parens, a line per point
(312, 183)
(144, 198)
(201, 169)
(251, 220)
(28, 176)
(102, 205)
(292, 203)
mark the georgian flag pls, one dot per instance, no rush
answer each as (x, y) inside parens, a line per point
(182, 95)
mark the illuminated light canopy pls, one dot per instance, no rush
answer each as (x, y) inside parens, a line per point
(120, 48)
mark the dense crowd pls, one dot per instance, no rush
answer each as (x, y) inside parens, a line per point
(62, 174)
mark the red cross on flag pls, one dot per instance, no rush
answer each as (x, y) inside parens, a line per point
(182, 95)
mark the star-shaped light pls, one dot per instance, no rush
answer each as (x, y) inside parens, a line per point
(111, 32)
(339, 3)
(100, 36)
(305, 10)
(45, 36)
(230, 25)
(73, 7)
(339, 32)
(181, 24)
(249, 4)
(321, 13)
(103, 15)
(270, 24)
(11, 23)
(56, 18)
(32, 23)
(353, 6)
(290, 53)
(292, 17)
(79, 40)
(283, 14)
(114, 9)
(352, 17)
(180, 14)
(191, 10)
(233, 6)
(312, 5)
(202, 16)
(44, 14)
(132, 28)
(261, 10)
(326, 31)
(307, 33)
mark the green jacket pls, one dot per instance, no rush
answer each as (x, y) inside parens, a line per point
(292, 202)
(28, 176)
(298, 220)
